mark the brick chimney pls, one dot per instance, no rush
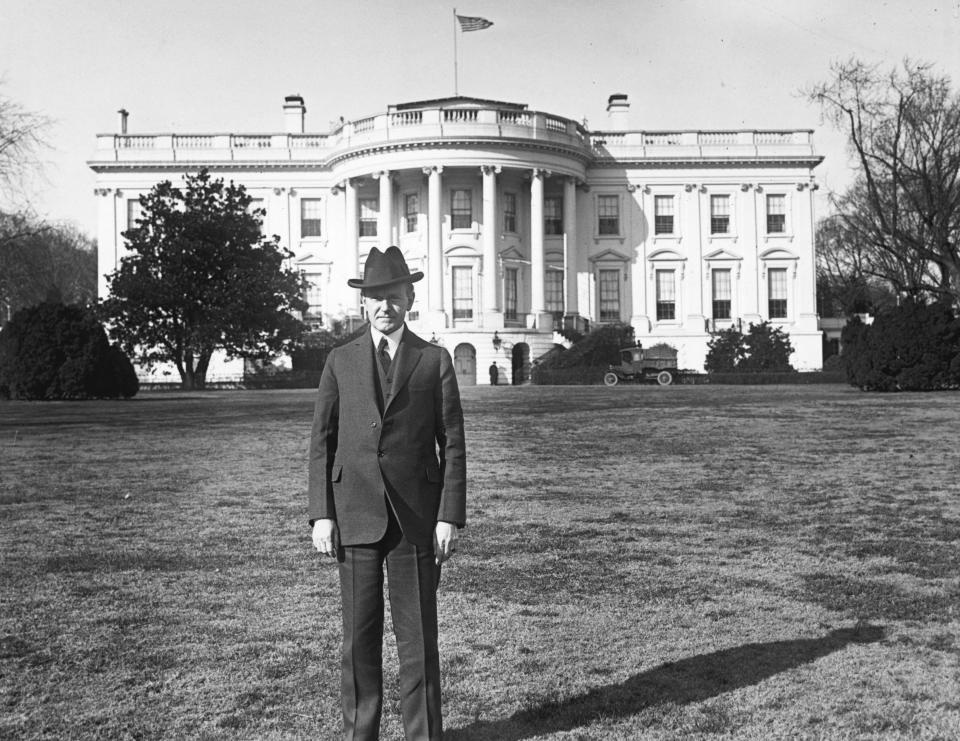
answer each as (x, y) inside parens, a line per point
(294, 113)
(618, 112)
(123, 120)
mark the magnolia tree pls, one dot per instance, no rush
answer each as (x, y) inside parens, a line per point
(201, 277)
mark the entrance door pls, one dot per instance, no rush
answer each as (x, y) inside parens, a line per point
(465, 364)
(521, 363)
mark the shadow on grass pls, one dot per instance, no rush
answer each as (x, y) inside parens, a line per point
(687, 681)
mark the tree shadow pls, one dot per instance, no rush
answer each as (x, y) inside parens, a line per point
(687, 681)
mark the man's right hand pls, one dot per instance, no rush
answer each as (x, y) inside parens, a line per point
(326, 537)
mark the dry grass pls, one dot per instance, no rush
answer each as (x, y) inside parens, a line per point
(641, 563)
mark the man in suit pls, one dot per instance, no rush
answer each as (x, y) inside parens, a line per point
(388, 487)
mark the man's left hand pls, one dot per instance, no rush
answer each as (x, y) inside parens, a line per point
(444, 541)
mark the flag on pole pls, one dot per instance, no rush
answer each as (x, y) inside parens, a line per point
(472, 23)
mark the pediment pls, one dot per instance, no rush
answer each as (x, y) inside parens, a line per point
(310, 258)
(722, 254)
(512, 253)
(665, 255)
(462, 250)
(609, 255)
(778, 253)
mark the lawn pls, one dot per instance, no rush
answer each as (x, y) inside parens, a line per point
(640, 563)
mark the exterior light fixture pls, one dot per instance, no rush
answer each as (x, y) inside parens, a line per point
(497, 342)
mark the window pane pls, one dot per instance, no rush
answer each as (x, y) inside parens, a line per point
(776, 214)
(608, 215)
(310, 217)
(462, 293)
(369, 209)
(609, 295)
(312, 294)
(134, 212)
(663, 214)
(666, 295)
(510, 212)
(411, 211)
(552, 216)
(722, 292)
(461, 211)
(719, 214)
(777, 291)
(510, 294)
(553, 292)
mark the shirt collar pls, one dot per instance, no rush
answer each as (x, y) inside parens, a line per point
(393, 339)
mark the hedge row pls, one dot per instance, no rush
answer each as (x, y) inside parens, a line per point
(594, 375)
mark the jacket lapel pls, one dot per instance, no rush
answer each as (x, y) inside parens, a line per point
(362, 349)
(408, 355)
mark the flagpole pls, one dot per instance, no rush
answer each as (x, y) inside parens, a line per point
(456, 86)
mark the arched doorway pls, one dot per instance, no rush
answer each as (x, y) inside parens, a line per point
(465, 364)
(521, 363)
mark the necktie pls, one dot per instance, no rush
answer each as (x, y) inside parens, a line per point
(384, 355)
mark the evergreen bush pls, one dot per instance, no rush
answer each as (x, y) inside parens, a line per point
(763, 349)
(911, 347)
(54, 351)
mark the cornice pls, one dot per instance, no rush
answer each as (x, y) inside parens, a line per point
(692, 162)
(582, 155)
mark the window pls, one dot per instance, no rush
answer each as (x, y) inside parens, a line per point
(310, 213)
(510, 295)
(312, 294)
(777, 293)
(553, 216)
(134, 212)
(666, 296)
(461, 212)
(256, 208)
(462, 292)
(663, 215)
(609, 295)
(776, 214)
(719, 214)
(369, 210)
(721, 293)
(553, 292)
(411, 211)
(510, 212)
(608, 215)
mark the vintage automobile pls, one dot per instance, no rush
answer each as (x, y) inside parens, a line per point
(637, 365)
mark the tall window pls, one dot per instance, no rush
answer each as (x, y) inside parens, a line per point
(461, 211)
(510, 212)
(310, 213)
(411, 211)
(369, 210)
(553, 216)
(510, 294)
(721, 293)
(256, 204)
(553, 292)
(462, 292)
(777, 293)
(609, 295)
(134, 212)
(312, 294)
(719, 214)
(666, 295)
(608, 215)
(663, 214)
(776, 214)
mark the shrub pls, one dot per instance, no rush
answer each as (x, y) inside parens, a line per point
(911, 347)
(599, 348)
(53, 351)
(763, 349)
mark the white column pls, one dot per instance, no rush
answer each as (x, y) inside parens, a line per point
(491, 304)
(570, 229)
(350, 237)
(385, 216)
(108, 253)
(434, 241)
(537, 296)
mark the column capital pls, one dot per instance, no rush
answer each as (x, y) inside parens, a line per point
(490, 169)
(338, 188)
(433, 169)
(539, 172)
(382, 174)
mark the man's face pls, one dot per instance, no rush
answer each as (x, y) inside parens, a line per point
(386, 307)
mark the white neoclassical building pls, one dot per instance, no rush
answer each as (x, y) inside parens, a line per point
(524, 222)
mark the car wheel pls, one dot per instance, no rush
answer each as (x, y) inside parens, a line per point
(664, 378)
(610, 379)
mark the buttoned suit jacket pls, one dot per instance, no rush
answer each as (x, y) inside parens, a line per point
(410, 447)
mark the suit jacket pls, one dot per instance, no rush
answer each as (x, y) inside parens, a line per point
(411, 447)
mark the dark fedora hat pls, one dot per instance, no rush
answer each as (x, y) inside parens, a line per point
(385, 269)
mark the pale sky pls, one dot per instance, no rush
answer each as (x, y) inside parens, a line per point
(212, 66)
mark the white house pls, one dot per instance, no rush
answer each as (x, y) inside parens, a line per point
(524, 222)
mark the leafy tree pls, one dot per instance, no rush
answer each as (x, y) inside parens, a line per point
(37, 259)
(912, 347)
(903, 210)
(601, 347)
(54, 351)
(200, 277)
(763, 349)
